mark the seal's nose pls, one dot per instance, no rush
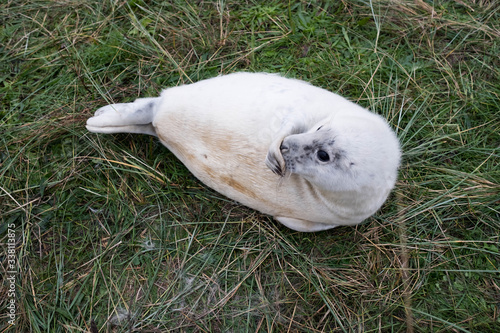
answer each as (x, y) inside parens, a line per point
(284, 147)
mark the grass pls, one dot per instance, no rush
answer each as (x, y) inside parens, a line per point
(114, 235)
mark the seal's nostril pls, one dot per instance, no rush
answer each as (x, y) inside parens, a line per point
(283, 147)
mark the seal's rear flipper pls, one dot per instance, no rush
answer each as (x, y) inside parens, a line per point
(136, 117)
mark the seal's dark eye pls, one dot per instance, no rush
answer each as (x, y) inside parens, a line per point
(319, 128)
(323, 156)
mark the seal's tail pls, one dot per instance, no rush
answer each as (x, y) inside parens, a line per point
(136, 117)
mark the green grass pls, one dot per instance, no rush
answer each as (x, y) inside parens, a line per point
(114, 230)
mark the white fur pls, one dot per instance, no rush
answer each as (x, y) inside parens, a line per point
(255, 138)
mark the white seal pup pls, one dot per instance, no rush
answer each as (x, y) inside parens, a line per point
(308, 157)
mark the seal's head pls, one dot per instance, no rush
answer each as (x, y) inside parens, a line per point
(345, 154)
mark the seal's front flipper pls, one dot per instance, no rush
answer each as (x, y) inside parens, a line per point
(136, 117)
(274, 159)
(303, 225)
